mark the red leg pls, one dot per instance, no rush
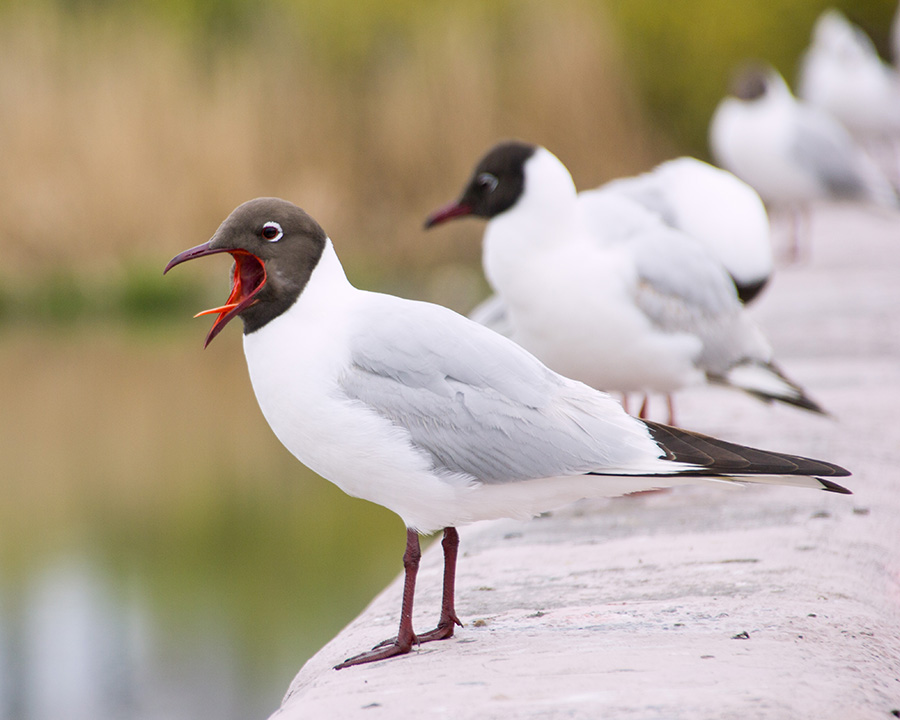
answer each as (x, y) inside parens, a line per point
(448, 617)
(671, 403)
(405, 637)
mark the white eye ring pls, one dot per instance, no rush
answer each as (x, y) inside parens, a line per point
(269, 235)
(489, 181)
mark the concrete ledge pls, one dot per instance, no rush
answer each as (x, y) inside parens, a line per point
(699, 602)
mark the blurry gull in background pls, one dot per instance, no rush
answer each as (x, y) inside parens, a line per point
(791, 152)
(842, 73)
(603, 291)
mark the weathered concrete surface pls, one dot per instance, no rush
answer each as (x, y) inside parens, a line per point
(696, 603)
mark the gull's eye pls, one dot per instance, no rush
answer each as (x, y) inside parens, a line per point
(487, 181)
(272, 231)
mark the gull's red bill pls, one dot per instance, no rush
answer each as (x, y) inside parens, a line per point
(448, 212)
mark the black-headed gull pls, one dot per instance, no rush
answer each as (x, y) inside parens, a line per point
(791, 152)
(431, 415)
(713, 206)
(603, 291)
(842, 73)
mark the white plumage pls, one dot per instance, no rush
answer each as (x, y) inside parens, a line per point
(712, 206)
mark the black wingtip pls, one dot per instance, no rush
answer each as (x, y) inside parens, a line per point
(798, 398)
(829, 486)
(803, 401)
(719, 456)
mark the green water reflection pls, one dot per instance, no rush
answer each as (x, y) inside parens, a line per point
(160, 553)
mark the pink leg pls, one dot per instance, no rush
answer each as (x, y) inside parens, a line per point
(448, 617)
(671, 403)
(405, 637)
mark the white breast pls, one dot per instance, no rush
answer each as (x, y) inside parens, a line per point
(294, 365)
(753, 141)
(571, 303)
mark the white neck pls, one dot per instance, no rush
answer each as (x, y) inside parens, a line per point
(325, 296)
(544, 216)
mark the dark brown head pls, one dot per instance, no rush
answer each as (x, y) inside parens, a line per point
(751, 82)
(275, 246)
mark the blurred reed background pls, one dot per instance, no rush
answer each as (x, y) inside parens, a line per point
(160, 554)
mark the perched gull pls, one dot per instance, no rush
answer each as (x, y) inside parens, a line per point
(712, 206)
(791, 152)
(431, 415)
(842, 73)
(603, 291)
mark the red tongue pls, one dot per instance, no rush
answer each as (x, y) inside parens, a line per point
(234, 299)
(237, 286)
(248, 279)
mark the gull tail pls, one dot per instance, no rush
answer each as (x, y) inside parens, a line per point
(710, 456)
(764, 380)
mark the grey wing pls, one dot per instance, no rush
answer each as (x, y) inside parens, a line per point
(480, 405)
(679, 286)
(682, 288)
(827, 152)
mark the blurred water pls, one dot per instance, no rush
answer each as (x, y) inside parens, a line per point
(76, 648)
(161, 556)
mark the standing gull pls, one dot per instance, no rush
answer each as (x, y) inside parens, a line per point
(791, 152)
(603, 291)
(431, 415)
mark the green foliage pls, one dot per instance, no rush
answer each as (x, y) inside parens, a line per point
(346, 35)
(139, 295)
(5, 304)
(144, 294)
(58, 299)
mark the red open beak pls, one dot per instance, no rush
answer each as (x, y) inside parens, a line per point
(448, 212)
(248, 278)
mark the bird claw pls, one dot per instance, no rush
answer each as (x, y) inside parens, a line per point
(382, 651)
(394, 641)
(441, 632)
(393, 647)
